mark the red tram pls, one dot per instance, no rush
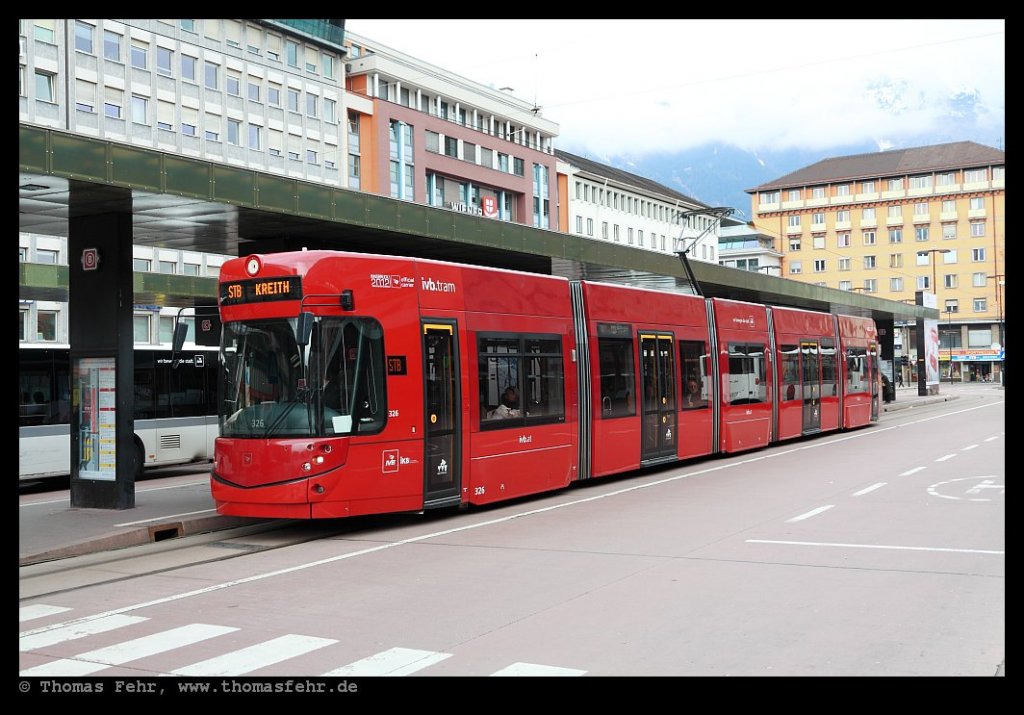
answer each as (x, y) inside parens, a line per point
(359, 384)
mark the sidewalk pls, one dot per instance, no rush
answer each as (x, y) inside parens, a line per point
(175, 506)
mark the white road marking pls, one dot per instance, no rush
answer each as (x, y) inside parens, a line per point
(867, 490)
(121, 653)
(255, 657)
(969, 447)
(877, 546)
(393, 662)
(915, 470)
(944, 457)
(41, 638)
(812, 512)
(27, 613)
(531, 670)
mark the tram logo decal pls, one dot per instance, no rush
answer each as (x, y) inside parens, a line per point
(383, 280)
(744, 321)
(437, 286)
(392, 460)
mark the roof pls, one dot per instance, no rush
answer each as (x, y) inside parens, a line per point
(897, 162)
(624, 177)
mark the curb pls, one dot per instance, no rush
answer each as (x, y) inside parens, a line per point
(137, 537)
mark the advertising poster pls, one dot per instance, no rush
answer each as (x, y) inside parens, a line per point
(94, 380)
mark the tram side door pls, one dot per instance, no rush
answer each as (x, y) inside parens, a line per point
(442, 414)
(810, 358)
(658, 432)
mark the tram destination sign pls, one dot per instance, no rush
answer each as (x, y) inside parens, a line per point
(261, 290)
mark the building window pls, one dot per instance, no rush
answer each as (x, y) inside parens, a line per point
(44, 31)
(977, 229)
(867, 187)
(869, 262)
(920, 182)
(142, 264)
(254, 137)
(579, 224)
(795, 267)
(769, 197)
(871, 285)
(212, 75)
(974, 176)
(140, 327)
(45, 87)
(977, 203)
(818, 219)
(845, 285)
(867, 214)
(949, 280)
(920, 233)
(140, 110)
(291, 53)
(818, 240)
(274, 95)
(85, 96)
(980, 306)
(895, 260)
(794, 222)
(233, 84)
(895, 184)
(843, 217)
(46, 257)
(83, 36)
(819, 265)
(817, 192)
(311, 102)
(140, 55)
(843, 190)
(946, 179)
(254, 91)
(188, 68)
(843, 239)
(895, 212)
(293, 100)
(46, 325)
(948, 231)
(189, 121)
(895, 235)
(868, 238)
(794, 243)
(164, 60)
(844, 264)
(896, 285)
(112, 101)
(978, 255)
(329, 111)
(979, 280)
(590, 227)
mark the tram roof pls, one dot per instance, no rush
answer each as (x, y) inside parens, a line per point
(189, 203)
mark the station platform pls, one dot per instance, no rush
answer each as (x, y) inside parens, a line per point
(175, 502)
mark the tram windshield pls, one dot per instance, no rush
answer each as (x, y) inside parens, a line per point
(275, 387)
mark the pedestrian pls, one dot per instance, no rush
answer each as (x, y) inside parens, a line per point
(899, 378)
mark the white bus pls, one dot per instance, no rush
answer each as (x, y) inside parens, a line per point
(175, 408)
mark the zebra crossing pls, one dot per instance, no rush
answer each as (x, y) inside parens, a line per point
(395, 662)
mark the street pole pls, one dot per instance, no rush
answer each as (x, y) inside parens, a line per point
(949, 337)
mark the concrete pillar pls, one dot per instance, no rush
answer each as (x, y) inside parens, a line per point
(100, 302)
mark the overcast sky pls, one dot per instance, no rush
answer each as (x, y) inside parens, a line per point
(640, 86)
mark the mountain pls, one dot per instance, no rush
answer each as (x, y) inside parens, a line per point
(719, 174)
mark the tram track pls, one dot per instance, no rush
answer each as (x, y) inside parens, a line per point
(53, 577)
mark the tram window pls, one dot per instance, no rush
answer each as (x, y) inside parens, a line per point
(532, 366)
(828, 368)
(617, 377)
(856, 370)
(789, 361)
(693, 362)
(746, 374)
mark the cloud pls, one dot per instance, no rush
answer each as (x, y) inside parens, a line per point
(642, 86)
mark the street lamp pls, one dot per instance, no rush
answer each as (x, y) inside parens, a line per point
(932, 260)
(949, 339)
